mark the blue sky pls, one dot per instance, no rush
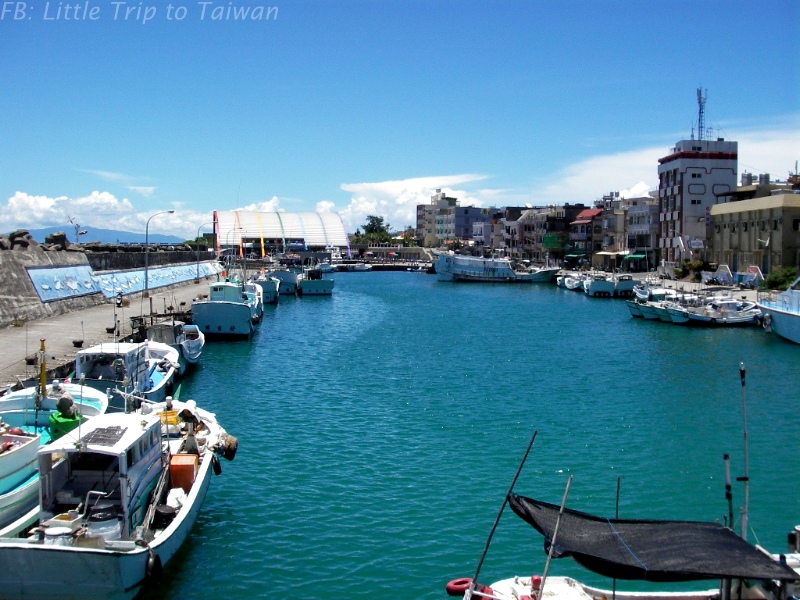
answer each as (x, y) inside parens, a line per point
(365, 107)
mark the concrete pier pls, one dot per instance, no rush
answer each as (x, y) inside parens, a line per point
(93, 325)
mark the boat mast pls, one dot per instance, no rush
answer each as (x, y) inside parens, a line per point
(468, 593)
(746, 478)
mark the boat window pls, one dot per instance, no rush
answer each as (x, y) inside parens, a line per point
(129, 457)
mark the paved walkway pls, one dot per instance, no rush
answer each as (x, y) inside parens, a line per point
(93, 325)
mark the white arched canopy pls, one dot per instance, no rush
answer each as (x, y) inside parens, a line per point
(261, 230)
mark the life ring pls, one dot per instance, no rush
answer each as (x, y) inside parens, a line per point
(457, 587)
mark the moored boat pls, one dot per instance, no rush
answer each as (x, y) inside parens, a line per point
(599, 285)
(228, 312)
(115, 507)
(187, 339)
(311, 282)
(29, 418)
(623, 286)
(654, 550)
(457, 267)
(782, 312)
(118, 367)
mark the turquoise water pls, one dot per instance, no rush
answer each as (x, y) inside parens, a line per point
(380, 428)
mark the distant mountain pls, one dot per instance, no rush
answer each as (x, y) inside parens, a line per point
(105, 236)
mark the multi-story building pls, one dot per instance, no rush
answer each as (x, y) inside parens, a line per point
(760, 226)
(695, 176)
(641, 233)
(427, 225)
(612, 231)
(584, 234)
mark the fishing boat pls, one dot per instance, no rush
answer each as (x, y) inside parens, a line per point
(599, 285)
(187, 339)
(116, 504)
(718, 312)
(461, 268)
(623, 286)
(270, 287)
(287, 280)
(311, 282)
(118, 367)
(227, 312)
(648, 550)
(782, 312)
(29, 418)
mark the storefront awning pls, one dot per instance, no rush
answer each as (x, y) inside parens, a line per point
(633, 256)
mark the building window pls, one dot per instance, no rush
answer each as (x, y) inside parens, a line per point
(744, 226)
(796, 225)
(774, 224)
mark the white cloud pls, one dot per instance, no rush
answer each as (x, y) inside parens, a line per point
(143, 190)
(271, 205)
(396, 201)
(110, 176)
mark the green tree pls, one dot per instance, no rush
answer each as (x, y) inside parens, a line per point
(375, 231)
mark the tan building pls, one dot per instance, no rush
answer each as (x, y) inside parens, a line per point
(763, 232)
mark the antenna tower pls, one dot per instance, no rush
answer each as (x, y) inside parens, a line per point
(701, 104)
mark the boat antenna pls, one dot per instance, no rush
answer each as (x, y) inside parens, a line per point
(499, 514)
(745, 479)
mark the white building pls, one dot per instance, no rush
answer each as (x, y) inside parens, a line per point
(695, 176)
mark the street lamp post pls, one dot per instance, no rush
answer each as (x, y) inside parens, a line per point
(197, 248)
(146, 293)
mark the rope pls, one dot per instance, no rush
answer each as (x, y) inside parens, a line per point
(619, 537)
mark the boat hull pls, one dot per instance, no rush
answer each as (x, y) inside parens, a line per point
(483, 270)
(318, 287)
(783, 323)
(118, 572)
(223, 319)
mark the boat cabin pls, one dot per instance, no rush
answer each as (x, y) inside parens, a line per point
(104, 481)
(226, 291)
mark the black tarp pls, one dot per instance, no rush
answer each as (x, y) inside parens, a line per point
(649, 550)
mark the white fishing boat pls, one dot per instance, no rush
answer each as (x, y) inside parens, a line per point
(287, 280)
(187, 339)
(574, 282)
(128, 367)
(635, 308)
(599, 285)
(270, 287)
(661, 551)
(360, 266)
(115, 505)
(545, 274)
(227, 312)
(782, 312)
(623, 286)
(311, 282)
(326, 267)
(457, 267)
(726, 312)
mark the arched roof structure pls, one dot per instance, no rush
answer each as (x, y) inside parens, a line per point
(312, 229)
